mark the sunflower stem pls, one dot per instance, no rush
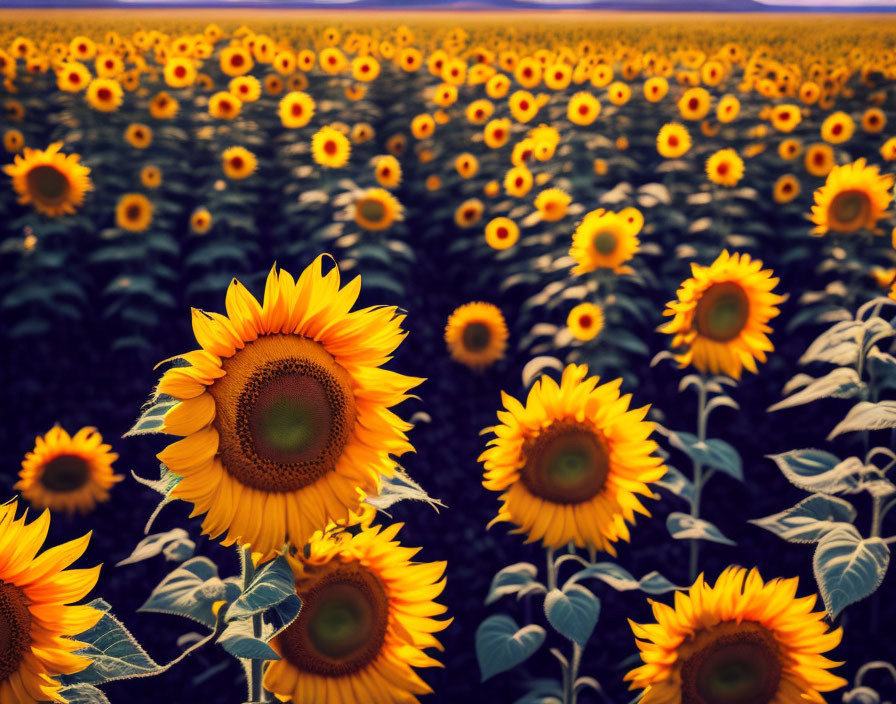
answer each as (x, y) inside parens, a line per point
(247, 568)
(574, 671)
(698, 477)
(552, 569)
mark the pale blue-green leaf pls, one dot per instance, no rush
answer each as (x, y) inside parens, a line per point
(874, 330)
(542, 691)
(114, 653)
(510, 580)
(189, 591)
(848, 568)
(400, 487)
(677, 483)
(867, 416)
(153, 417)
(272, 584)
(153, 545)
(714, 453)
(534, 368)
(811, 469)
(83, 694)
(842, 382)
(810, 520)
(681, 526)
(838, 344)
(239, 640)
(502, 645)
(573, 612)
(179, 550)
(622, 580)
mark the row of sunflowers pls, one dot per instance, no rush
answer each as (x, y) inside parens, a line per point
(572, 217)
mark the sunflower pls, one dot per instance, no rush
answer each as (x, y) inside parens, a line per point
(786, 188)
(476, 335)
(224, 105)
(138, 136)
(180, 72)
(888, 149)
(728, 109)
(467, 165)
(694, 104)
(163, 106)
(523, 106)
(133, 212)
(387, 171)
(603, 240)
(491, 188)
(236, 61)
(725, 167)
(68, 473)
(53, 183)
(34, 593)
(72, 77)
(296, 109)
(200, 221)
(501, 233)
(365, 68)
(673, 141)
(854, 197)
(13, 141)
(362, 132)
(582, 109)
(104, 94)
(151, 176)
(585, 321)
(838, 127)
(285, 409)
(619, 93)
(741, 640)
(571, 462)
(479, 111)
(238, 163)
(330, 147)
(789, 149)
(656, 88)
(874, 120)
(366, 619)
(433, 183)
(274, 85)
(552, 203)
(819, 159)
(246, 88)
(422, 126)
(468, 213)
(721, 315)
(785, 118)
(518, 181)
(377, 209)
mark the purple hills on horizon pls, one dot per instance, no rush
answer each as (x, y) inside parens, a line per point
(458, 5)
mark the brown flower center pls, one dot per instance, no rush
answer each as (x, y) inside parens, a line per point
(566, 463)
(286, 410)
(342, 625)
(605, 242)
(738, 665)
(15, 628)
(476, 336)
(849, 210)
(48, 183)
(722, 311)
(65, 473)
(371, 209)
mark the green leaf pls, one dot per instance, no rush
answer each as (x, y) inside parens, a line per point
(153, 545)
(502, 645)
(511, 580)
(681, 526)
(867, 416)
(848, 568)
(842, 382)
(153, 417)
(238, 640)
(676, 482)
(190, 591)
(83, 694)
(714, 453)
(114, 653)
(821, 472)
(810, 520)
(271, 585)
(622, 580)
(573, 612)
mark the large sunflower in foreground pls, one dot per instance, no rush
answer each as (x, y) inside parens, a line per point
(285, 409)
(68, 473)
(476, 335)
(603, 240)
(721, 315)
(742, 641)
(35, 621)
(854, 197)
(367, 616)
(53, 183)
(572, 461)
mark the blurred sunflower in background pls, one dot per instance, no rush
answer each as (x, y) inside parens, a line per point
(54, 183)
(238, 163)
(138, 136)
(552, 204)
(585, 321)
(367, 617)
(68, 473)
(134, 212)
(201, 221)
(284, 410)
(819, 159)
(296, 109)
(854, 197)
(721, 315)
(604, 240)
(673, 141)
(501, 233)
(572, 462)
(151, 176)
(377, 209)
(725, 167)
(786, 188)
(330, 147)
(387, 171)
(104, 94)
(740, 640)
(476, 335)
(38, 621)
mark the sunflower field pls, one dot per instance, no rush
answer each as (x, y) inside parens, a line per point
(383, 358)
